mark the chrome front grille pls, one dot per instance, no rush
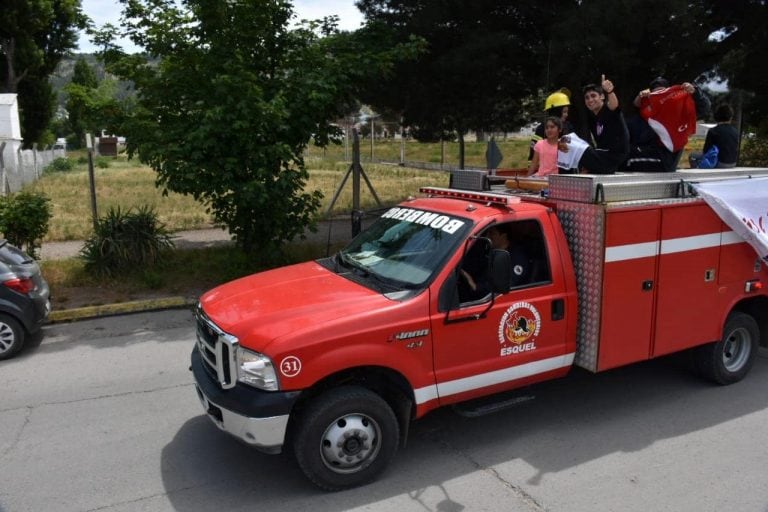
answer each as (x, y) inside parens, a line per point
(217, 350)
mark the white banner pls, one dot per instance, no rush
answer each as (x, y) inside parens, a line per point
(743, 206)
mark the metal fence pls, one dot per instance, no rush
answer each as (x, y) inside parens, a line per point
(19, 167)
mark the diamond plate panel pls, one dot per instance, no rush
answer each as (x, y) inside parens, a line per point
(584, 227)
(469, 180)
(638, 186)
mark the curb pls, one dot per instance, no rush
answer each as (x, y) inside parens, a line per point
(122, 308)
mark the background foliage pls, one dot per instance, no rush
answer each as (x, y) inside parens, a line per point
(126, 241)
(234, 100)
(34, 36)
(24, 219)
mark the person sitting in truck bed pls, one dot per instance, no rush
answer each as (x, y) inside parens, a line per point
(672, 112)
(608, 133)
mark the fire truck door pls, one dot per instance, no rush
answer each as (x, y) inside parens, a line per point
(521, 338)
(688, 310)
(629, 286)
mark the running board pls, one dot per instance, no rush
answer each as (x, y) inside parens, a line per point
(483, 406)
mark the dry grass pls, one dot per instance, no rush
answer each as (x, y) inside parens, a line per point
(128, 184)
(391, 183)
(515, 152)
(125, 184)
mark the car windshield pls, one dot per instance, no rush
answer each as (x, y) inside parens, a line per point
(406, 246)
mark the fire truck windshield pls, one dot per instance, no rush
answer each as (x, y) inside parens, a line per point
(406, 247)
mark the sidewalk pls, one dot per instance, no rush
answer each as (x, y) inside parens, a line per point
(335, 231)
(196, 239)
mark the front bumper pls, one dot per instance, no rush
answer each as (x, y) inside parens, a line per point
(258, 418)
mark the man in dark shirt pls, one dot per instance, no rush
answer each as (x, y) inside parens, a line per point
(609, 144)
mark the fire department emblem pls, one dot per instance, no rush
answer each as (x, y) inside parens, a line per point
(519, 324)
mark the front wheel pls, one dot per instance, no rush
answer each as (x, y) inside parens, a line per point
(730, 359)
(345, 438)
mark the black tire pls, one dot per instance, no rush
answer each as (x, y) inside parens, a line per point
(360, 424)
(730, 359)
(11, 337)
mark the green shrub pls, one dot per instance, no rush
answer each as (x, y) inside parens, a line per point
(24, 218)
(102, 162)
(60, 165)
(126, 241)
(754, 152)
(82, 160)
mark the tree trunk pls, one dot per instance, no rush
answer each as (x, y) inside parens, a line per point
(11, 81)
(461, 149)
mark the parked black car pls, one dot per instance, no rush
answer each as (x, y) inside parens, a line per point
(24, 299)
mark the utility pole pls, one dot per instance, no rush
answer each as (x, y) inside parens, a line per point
(92, 180)
(356, 170)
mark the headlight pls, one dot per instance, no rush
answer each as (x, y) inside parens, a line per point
(256, 370)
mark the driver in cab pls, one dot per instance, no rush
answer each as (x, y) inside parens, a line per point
(473, 284)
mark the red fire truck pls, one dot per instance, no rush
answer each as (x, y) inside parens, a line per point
(334, 358)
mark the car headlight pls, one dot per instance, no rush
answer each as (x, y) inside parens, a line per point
(256, 370)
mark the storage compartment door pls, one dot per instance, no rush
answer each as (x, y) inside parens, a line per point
(688, 311)
(631, 256)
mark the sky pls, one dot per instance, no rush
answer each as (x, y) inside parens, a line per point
(108, 11)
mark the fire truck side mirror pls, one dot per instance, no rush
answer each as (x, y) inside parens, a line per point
(500, 270)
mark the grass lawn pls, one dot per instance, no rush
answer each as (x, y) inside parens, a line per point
(128, 184)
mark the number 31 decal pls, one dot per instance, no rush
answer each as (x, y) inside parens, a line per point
(290, 366)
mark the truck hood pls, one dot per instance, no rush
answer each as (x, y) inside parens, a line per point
(263, 307)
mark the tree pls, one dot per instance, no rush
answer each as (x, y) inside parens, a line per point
(84, 75)
(476, 71)
(91, 104)
(34, 36)
(743, 43)
(670, 38)
(229, 101)
(484, 58)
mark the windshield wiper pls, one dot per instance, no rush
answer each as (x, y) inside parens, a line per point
(338, 260)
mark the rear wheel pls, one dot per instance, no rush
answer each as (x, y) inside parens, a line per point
(11, 336)
(345, 438)
(730, 359)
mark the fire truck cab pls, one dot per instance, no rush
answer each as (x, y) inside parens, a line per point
(471, 291)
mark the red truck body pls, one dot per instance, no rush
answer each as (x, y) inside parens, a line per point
(617, 281)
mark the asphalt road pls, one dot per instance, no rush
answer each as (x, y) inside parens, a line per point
(101, 415)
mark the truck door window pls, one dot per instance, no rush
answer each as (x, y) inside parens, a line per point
(524, 242)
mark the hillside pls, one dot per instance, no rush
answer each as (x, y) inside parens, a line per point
(63, 75)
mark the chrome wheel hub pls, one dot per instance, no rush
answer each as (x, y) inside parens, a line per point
(350, 443)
